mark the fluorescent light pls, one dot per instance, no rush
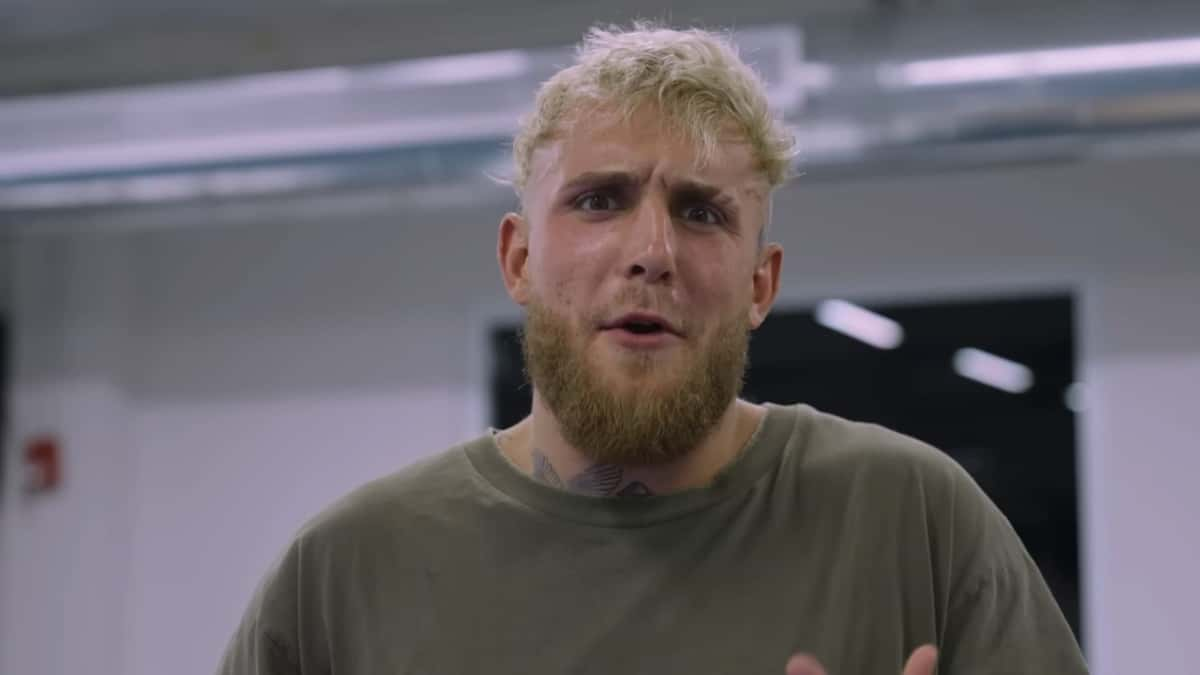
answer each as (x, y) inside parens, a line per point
(1043, 63)
(447, 70)
(273, 143)
(994, 371)
(271, 116)
(831, 138)
(860, 323)
(277, 117)
(813, 76)
(331, 81)
(164, 187)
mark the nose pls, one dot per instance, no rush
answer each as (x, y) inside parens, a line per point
(652, 244)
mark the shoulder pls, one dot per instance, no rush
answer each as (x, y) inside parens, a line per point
(872, 468)
(867, 471)
(898, 481)
(832, 447)
(424, 491)
(367, 535)
(375, 527)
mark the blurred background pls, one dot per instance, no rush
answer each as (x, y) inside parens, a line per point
(247, 263)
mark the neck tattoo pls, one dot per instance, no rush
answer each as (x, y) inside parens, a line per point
(598, 480)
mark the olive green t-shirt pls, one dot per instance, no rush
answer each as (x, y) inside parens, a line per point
(841, 539)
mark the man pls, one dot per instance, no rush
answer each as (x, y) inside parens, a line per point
(643, 518)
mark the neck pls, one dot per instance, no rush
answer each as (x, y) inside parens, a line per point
(536, 445)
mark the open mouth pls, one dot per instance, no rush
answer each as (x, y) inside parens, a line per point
(642, 327)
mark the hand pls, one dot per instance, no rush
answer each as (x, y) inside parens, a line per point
(922, 662)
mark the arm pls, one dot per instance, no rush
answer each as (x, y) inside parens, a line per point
(254, 651)
(996, 616)
(263, 643)
(1002, 617)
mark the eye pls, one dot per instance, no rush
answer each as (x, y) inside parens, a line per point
(596, 201)
(705, 215)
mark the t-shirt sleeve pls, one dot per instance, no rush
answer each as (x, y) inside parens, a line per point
(254, 651)
(1002, 618)
(264, 641)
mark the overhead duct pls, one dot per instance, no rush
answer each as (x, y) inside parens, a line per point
(943, 92)
(876, 94)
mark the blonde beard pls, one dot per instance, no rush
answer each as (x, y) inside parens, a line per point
(644, 425)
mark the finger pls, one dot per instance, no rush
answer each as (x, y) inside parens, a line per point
(803, 664)
(922, 661)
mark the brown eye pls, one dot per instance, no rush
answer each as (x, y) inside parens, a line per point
(596, 201)
(702, 214)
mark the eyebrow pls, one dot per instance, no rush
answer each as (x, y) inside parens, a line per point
(699, 190)
(693, 189)
(622, 179)
(686, 188)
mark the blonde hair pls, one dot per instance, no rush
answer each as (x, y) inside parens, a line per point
(694, 77)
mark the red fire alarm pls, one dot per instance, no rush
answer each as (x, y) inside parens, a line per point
(43, 464)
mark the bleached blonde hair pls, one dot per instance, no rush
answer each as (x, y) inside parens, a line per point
(694, 78)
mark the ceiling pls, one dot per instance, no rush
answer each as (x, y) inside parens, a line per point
(56, 45)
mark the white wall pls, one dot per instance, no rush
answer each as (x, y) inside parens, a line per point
(65, 557)
(1143, 437)
(219, 381)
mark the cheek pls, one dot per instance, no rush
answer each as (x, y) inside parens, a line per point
(573, 265)
(569, 269)
(719, 276)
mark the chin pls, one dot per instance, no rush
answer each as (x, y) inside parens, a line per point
(648, 361)
(640, 374)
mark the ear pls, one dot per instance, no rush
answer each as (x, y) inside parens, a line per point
(512, 251)
(766, 283)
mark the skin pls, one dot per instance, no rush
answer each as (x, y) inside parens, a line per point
(923, 661)
(618, 217)
(635, 236)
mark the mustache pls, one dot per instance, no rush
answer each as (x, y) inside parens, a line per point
(638, 300)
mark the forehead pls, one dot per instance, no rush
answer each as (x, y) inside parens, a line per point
(645, 144)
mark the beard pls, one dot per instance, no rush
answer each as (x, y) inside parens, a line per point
(660, 415)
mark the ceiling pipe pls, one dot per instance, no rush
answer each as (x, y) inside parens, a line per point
(881, 94)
